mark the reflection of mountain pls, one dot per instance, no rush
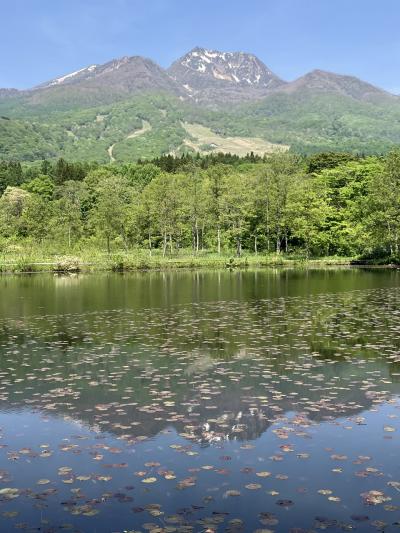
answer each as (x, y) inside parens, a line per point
(222, 400)
(233, 414)
(212, 370)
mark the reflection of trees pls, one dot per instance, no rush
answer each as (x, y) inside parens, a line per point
(281, 349)
(359, 323)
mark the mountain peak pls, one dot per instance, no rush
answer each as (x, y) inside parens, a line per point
(94, 71)
(112, 81)
(67, 78)
(239, 68)
(324, 81)
(211, 75)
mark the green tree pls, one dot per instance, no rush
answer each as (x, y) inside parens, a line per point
(10, 175)
(109, 215)
(69, 210)
(36, 218)
(237, 209)
(273, 187)
(43, 185)
(163, 198)
(382, 206)
(308, 211)
(12, 205)
(215, 186)
(194, 205)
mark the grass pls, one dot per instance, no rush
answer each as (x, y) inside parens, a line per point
(206, 141)
(45, 259)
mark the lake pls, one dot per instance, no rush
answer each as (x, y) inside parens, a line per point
(257, 401)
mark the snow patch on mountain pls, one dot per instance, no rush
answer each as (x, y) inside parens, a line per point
(235, 67)
(68, 77)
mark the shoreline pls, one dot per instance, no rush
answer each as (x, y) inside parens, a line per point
(134, 263)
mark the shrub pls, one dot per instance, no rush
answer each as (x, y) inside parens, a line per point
(67, 264)
(24, 265)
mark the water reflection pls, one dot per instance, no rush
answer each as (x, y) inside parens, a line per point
(232, 414)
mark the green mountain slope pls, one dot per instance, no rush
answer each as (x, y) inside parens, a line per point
(87, 134)
(98, 113)
(306, 121)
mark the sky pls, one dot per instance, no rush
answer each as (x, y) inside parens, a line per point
(44, 39)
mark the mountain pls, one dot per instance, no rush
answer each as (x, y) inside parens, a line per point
(7, 93)
(126, 75)
(210, 75)
(206, 101)
(81, 74)
(102, 84)
(327, 82)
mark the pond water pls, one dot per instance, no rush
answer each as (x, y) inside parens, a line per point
(200, 401)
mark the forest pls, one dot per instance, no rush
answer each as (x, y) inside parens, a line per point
(322, 205)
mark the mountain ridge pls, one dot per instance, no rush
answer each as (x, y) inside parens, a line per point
(352, 86)
(222, 96)
(203, 71)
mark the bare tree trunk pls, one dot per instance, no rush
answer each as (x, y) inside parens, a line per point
(219, 240)
(170, 244)
(197, 237)
(238, 247)
(267, 228)
(278, 245)
(255, 245)
(108, 244)
(165, 243)
(124, 239)
(390, 238)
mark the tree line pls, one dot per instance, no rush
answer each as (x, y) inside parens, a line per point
(321, 205)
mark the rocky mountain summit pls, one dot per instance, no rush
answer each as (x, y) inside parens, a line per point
(209, 74)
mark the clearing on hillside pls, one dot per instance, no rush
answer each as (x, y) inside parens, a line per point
(206, 141)
(146, 126)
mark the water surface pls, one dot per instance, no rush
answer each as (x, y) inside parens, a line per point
(212, 401)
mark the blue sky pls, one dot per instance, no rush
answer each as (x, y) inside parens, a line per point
(43, 39)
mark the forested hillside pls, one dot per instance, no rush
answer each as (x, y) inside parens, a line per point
(304, 122)
(321, 205)
(97, 113)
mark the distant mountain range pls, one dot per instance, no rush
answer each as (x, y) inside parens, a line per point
(86, 113)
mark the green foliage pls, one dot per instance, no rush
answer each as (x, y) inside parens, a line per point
(275, 205)
(86, 130)
(322, 160)
(42, 185)
(10, 175)
(35, 217)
